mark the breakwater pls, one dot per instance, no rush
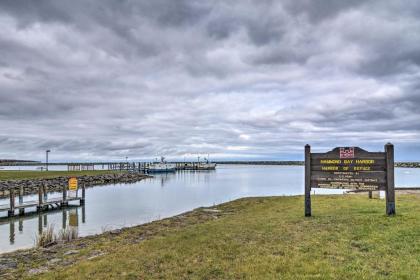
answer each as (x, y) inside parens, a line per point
(408, 164)
(56, 184)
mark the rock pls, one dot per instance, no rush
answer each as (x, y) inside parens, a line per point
(37, 270)
(49, 250)
(96, 254)
(53, 261)
(7, 264)
(115, 231)
(211, 210)
(71, 252)
(67, 262)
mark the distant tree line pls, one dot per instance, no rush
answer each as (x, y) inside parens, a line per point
(16, 162)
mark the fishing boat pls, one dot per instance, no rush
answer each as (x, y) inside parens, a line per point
(206, 166)
(162, 166)
(200, 165)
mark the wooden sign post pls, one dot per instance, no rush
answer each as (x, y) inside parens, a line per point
(390, 181)
(350, 168)
(308, 210)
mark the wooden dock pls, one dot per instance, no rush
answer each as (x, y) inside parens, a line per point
(43, 203)
(144, 166)
(129, 166)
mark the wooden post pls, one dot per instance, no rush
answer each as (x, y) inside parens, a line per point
(39, 207)
(390, 183)
(20, 194)
(45, 191)
(82, 201)
(308, 211)
(370, 194)
(83, 214)
(64, 203)
(11, 211)
(21, 210)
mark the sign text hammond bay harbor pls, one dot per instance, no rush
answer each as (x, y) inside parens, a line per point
(350, 168)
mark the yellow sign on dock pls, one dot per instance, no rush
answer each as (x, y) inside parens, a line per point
(73, 184)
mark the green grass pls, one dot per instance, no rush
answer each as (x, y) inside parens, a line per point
(348, 237)
(12, 175)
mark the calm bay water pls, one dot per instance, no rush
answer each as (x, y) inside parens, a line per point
(121, 205)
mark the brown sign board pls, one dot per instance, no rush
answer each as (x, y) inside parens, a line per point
(350, 168)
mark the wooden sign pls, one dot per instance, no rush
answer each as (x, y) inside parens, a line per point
(350, 168)
(73, 184)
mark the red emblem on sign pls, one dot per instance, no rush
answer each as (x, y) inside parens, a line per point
(347, 152)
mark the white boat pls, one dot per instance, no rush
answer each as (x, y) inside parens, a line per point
(206, 165)
(162, 166)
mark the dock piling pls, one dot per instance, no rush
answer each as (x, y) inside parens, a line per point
(83, 214)
(82, 201)
(64, 203)
(11, 211)
(39, 207)
(45, 191)
(21, 210)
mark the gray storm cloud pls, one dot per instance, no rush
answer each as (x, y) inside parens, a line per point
(236, 79)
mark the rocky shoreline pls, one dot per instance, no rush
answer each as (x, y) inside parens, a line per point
(56, 184)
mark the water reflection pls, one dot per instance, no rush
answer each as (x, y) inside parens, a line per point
(192, 176)
(70, 216)
(164, 178)
(12, 232)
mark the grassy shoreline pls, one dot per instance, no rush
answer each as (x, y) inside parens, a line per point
(349, 237)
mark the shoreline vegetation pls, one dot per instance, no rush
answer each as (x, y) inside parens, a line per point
(249, 238)
(262, 162)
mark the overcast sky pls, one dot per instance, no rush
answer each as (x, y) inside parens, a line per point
(102, 80)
